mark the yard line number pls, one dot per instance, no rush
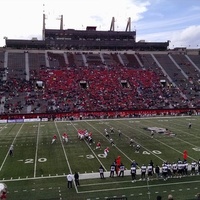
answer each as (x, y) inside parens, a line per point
(154, 151)
(90, 156)
(196, 149)
(31, 160)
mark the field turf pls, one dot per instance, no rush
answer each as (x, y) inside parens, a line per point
(38, 168)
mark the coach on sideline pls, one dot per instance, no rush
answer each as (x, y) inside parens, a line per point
(69, 180)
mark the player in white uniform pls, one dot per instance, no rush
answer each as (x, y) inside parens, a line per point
(131, 142)
(65, 137)
(11, 150)
(106, 150)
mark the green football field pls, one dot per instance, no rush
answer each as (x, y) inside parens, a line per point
(38, 168)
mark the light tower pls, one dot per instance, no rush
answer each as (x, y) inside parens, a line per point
(128, 26)
(43, 26)
(61, 21)
(43, 22)
(112, 26)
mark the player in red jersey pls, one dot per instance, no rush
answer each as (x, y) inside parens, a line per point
(53, 139)
(106, 150)
(98, 145)
(65, 137)
(3, 191)
(81, 134)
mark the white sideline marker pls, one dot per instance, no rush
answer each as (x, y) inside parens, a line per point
(36, 151)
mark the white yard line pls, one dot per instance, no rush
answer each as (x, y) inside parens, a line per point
(8, 149)
(91, 150)
(67, 160)
(3, 127)
(36, 150)
(32, 178)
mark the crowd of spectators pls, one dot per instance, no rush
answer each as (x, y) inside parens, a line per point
(91, 88)
(104, 90)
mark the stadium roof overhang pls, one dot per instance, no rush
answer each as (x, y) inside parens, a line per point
(23, 44)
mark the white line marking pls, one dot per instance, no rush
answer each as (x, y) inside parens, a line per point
(36, 150)
(11, 144)
(65, 155)
(66, 158)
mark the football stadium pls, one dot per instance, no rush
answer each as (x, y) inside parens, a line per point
(92, 115)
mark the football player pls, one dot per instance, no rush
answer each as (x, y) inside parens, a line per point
(11, 150)
(112, 142)
(98, 145)
(65, 137)
(53, 139)
(137, 148)
(106, 150)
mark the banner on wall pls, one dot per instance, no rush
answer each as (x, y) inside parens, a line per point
(32, 120)
(3, 121)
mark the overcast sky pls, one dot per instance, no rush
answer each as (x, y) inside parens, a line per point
(154, 20)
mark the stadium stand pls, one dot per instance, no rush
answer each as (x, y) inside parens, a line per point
(72, 87)
(90, 71)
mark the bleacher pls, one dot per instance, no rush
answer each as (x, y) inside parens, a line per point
(97, 81)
